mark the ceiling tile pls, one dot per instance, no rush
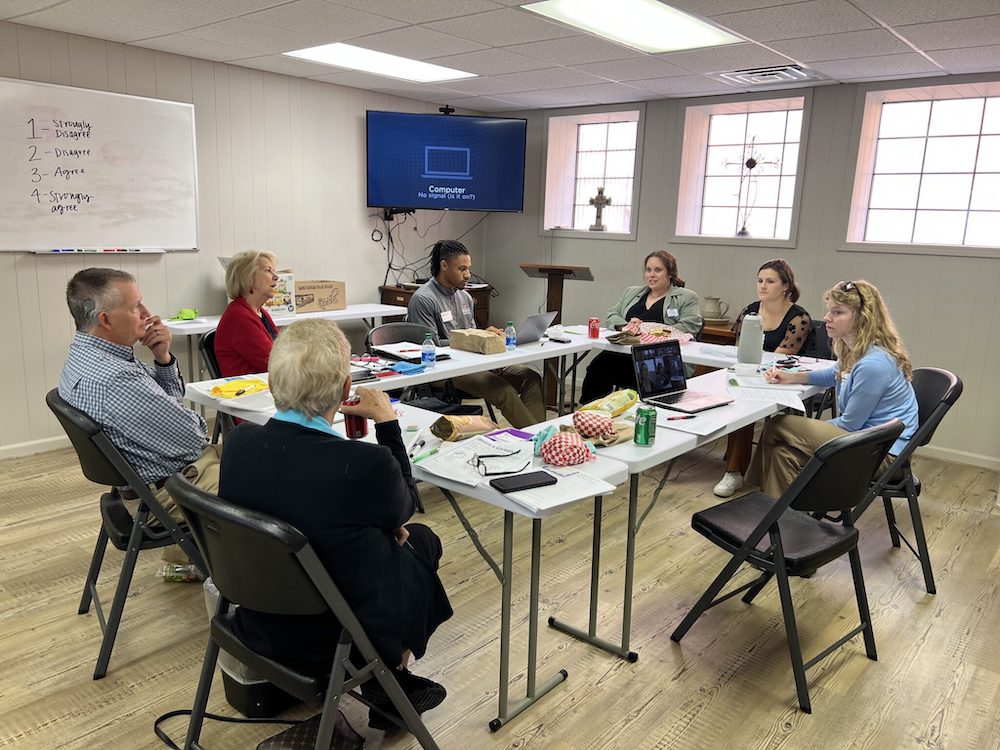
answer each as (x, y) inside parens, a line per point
(182, 44)
(415, 42)
(11, 9)
(799, 20)
(842, 46)
(974, 60)
(483, 86)
(634, 69)
(558, 98)
(116, 30)
(500, 28)
(609, 93)
(424, 11)
(489, 62)
(971, 32)
(422, 92)
(574, 49)
(873, 68)
(896, 12)
(549, 78)
(332, 23)
(163, 18)
(684, 86)
(356, 79)
(709, 8)
(257, 36)
(730, 57)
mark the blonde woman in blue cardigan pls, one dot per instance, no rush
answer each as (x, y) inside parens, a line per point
(662, 299)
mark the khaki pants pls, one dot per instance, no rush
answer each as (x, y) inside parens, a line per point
(786, 445)
(516, 391)
(203, 472)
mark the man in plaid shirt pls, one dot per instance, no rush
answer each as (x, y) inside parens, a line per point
(138, 406)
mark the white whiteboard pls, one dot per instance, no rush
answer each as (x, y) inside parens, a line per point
(91, 169)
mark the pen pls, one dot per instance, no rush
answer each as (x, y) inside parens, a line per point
(416, 446)
(409, 350)
(425, 454)
(686, 416)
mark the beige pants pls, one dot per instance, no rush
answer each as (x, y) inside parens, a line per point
(516, 391)
(786, 445)
(203, 472)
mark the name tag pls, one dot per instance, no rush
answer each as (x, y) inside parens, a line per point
(673, 312)
(446, 316)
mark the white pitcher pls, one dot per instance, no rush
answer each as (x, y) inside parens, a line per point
(714, 307)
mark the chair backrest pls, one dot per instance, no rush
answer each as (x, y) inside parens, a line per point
(393, 333)
(206, 345)
(92, 446)
(936, 390)
(818, 342)
(839, 473)
(252, 557)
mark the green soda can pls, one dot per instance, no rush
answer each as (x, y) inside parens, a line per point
(645, 425)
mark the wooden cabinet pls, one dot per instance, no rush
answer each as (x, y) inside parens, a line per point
(397, 295)
(710, 334)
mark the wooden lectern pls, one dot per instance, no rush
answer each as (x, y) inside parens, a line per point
(553, 301)
(555, 276)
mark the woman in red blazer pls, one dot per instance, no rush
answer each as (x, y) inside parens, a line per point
(246, 331)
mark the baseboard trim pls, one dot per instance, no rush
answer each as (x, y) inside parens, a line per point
(30, 448)
(960, 457)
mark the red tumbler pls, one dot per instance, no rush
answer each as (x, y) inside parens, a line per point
(355, 425)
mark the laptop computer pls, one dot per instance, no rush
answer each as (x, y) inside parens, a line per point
(533, 328)
(659, 372)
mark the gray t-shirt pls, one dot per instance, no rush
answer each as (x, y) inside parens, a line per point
(441, 309)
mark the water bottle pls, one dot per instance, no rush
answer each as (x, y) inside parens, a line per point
(751, 347)
(428, 354)
(510, 335)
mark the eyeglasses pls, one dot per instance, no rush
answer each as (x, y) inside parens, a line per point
(850, 286)
(494, 464)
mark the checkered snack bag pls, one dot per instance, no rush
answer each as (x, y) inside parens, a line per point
(565, 449)
(594, 424)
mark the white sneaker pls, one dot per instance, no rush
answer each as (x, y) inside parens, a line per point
(728, 485)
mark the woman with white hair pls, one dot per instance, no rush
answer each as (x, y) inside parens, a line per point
(246, 331)
(351, 499)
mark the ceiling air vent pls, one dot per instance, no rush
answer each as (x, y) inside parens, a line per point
(774, 74)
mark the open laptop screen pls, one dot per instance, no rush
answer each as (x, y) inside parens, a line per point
(659, 368)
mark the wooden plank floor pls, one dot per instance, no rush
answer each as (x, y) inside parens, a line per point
(936, 683)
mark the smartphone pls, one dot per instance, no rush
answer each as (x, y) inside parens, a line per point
(522, 481)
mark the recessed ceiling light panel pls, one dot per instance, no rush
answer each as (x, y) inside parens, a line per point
(342, 55)
(646, 25)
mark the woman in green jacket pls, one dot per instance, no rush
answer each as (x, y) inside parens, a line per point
(663, 299)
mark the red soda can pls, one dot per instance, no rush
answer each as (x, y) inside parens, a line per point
(594, 328)
(355, 425)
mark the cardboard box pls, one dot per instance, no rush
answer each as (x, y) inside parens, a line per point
(477, 340)
(283, 301)
(320, 295)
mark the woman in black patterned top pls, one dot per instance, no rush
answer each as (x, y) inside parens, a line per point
(786, 329)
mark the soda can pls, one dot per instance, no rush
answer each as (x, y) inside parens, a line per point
(645, 425)
(594, 328)
(355, 425)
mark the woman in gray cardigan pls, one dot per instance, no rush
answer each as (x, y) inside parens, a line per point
(664, 299)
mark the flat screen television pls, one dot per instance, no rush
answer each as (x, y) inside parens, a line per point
(454, 162)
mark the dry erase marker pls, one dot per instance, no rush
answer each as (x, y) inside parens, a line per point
(425, 454)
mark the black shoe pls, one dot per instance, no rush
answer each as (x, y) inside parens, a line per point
(424, 694)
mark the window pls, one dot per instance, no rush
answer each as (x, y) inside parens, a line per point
(928, 168)
(739, 167)
(587, 152)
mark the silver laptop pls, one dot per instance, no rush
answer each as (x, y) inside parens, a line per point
(533, 328)
(659, 373)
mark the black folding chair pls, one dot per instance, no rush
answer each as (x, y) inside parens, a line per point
(818, 345)
(103, 464)
(264, 564)
(206, 345)
(393, 333)
(781, 539)
(936, 391)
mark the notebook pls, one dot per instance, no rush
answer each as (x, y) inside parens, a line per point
(659, 373)
(407, 351)
(533, 328)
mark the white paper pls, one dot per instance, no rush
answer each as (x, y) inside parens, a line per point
(780, 396)
(703, 423)
(758, 381)
(458, 463)
(571, 485)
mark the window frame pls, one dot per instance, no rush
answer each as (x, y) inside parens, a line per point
(595, 114)
(695, 117)
(864, 139)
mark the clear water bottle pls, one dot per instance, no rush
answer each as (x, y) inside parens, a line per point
(751, 346)
(428, 354)
(510, 335)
